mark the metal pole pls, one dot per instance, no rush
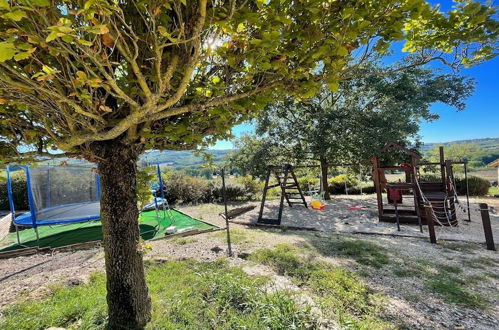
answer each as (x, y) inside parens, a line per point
(12, 207)
(467, 190)
(32, 205)
(229, 246)
(489, 237)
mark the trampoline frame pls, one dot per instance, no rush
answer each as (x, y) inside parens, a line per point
(32, 208)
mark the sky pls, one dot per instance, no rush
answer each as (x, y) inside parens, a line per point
(480, 119)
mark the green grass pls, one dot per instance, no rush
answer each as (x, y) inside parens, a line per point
(494, 191)
(185, 295)
(341, 294)
(455, 290)
(480, 262)
(365, 253)
(61, 235)
(464, 247)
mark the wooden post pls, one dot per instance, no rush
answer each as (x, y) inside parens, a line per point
(265, 189)
(396, 213)
(489, 238)
(414, 178)
(468, 190)
(450, 184)
(442, 165)
(431, 225)
(377, 185)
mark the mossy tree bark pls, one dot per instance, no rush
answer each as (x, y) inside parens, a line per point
(129, 304)
(324, 183)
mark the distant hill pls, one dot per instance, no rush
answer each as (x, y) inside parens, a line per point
(181, 158)
(486, 143)
(488, 150)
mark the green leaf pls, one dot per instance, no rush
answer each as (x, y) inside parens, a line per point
(98, 29)
(7, 51)
(241, 27)
(82, 75)
(4, 4)
(163, 32)
(67, 38)
(21, 56)
(40, 3)
(15, 15)
(342, 51)
(35, 3)
(52, 36)
(333, 87)
(85, 42)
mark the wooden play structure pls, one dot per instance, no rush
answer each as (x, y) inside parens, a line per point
(290, 190)
(426, 200)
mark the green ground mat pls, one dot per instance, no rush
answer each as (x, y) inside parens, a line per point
(152, 225)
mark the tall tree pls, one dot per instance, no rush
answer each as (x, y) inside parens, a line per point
(351, 125)
(106, 80)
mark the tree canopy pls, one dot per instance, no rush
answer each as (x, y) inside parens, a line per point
(167, 74)
(352, 124)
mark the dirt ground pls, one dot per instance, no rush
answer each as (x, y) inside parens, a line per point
(408, 299)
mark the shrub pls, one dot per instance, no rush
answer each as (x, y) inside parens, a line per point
(309, 183)
(187, 189)
(477, 186)
(19, 191)
(337, 184)
(252, 187)
(234, 191)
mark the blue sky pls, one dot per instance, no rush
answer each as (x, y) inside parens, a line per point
(480, 119)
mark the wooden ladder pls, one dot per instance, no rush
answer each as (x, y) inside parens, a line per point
(293, 197)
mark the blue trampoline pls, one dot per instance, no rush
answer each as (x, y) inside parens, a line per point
(56, 194)
(59, 195)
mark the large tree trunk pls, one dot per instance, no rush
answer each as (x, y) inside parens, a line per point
(324, 183)
(129, 304)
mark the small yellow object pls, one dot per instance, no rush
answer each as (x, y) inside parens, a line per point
(316, 204)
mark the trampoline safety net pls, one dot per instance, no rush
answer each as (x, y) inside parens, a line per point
(64, 193)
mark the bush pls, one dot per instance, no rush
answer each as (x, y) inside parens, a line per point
(252, 187)
(20, 192)
(477, 186)
(186, 189)
(337, 184)
(234, 192)
(309, 183)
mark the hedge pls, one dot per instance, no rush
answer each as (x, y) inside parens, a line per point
(20, 192)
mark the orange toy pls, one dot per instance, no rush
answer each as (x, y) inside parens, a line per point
(317, 205)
